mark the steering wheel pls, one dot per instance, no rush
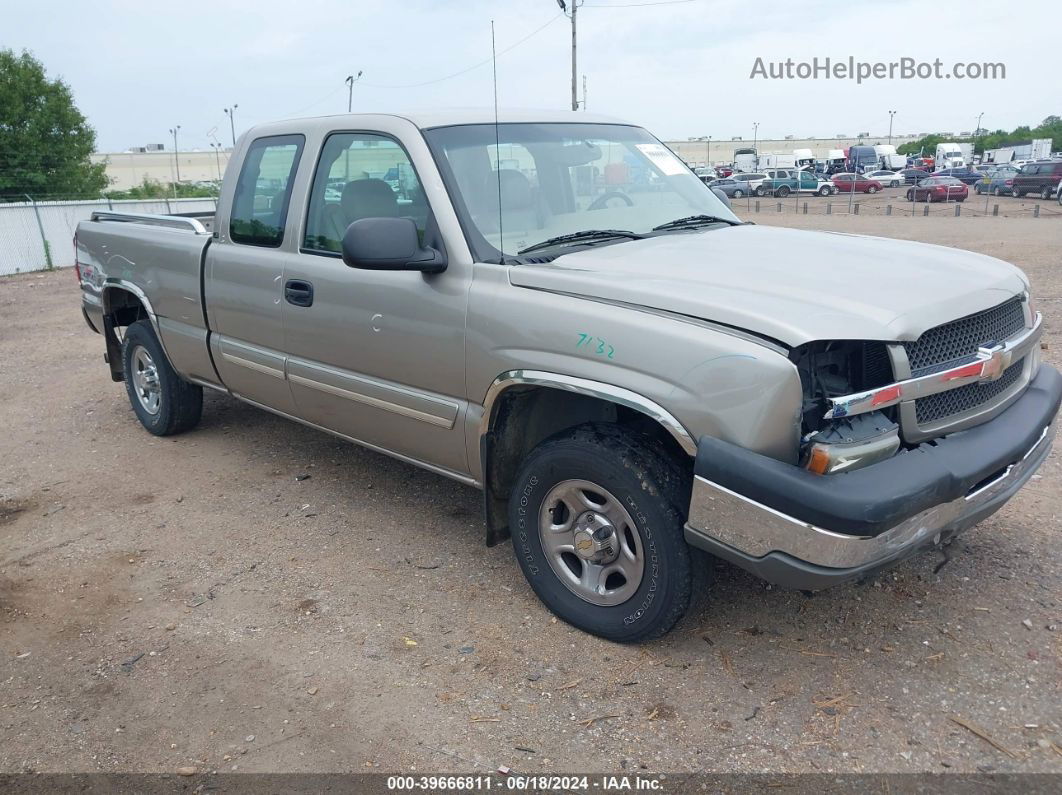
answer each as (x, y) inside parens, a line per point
(600, 202)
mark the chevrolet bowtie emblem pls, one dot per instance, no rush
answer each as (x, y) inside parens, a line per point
(996, 359)
(992, 360)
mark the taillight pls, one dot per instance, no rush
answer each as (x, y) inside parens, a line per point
(77, 265)
(1008, 182)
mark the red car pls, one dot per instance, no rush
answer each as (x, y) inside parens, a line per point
(938, 189)
(855, 183)
(723, 171)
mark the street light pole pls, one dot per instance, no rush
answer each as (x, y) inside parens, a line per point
(216, 146)
(350, 81)
(891, 114)
(176, 154)
(231, 113)
(755, 133)
(977, 129)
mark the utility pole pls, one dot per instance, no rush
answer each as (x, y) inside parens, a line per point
(350, 81)
(755, 133)
(231, 113)
(977, 129)
(584, 92)
(176, 156)
(564, 8)
(891, 114)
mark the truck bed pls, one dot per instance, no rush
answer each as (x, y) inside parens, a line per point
(158, 258)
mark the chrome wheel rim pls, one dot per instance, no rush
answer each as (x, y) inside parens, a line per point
(146, 380)
(591, 543)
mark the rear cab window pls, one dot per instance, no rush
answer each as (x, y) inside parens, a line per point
(263, 190)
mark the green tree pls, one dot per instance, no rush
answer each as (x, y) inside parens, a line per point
(45, 142)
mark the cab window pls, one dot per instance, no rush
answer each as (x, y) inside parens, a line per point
(360, 175)
(260, 203)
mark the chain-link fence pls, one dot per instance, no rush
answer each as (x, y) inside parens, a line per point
(977, 206)
(35, 235)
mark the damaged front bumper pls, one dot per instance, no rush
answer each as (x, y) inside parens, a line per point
(807, 531)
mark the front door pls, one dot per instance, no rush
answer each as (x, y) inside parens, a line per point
(375, 355)
(244, 268)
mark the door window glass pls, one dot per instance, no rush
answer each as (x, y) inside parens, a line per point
(260, 204)
(361, 175)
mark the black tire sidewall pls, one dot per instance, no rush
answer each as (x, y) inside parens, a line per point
(140, 334)
(665, 586)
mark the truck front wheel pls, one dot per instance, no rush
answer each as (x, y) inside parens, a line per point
(597, 527)
(164, 402)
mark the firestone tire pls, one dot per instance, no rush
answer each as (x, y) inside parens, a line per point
(648, 486)
(164, 402)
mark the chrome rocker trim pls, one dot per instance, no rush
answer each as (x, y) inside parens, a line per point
(988, 365)
(719, 515)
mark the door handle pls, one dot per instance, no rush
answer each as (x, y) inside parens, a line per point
(298, 292)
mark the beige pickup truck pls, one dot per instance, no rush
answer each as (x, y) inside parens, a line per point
(554, 309)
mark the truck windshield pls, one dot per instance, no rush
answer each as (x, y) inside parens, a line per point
(524, 183)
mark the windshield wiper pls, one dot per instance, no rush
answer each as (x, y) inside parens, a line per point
(691, 221)
(585, 236)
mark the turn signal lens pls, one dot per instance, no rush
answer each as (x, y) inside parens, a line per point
(818, 460)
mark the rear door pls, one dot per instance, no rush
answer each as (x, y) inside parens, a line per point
(245, 271)
(377, 356)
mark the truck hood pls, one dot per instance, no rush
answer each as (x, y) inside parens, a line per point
(791, 285)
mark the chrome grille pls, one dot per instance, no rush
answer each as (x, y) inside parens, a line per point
(948, 345)
(956, 401)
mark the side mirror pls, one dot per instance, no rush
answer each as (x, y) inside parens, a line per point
(722, 196)
(389, 244)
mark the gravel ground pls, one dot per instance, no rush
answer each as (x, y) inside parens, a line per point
(199, 602)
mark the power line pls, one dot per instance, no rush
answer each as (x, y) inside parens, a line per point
(638, 5)
(484, 62)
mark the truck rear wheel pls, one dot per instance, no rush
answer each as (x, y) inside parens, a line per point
(597, 527)
(164, 402)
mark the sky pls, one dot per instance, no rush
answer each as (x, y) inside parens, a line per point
(681, 68)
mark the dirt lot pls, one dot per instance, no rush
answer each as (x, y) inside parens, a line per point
(197, 601)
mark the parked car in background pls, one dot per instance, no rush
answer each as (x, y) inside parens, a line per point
(998, 182)
(892, 179)
(938, 189)
(730, 187)
(724, 171)
(855, 183)
(965, 175)
(1042, 178)
(912, 176)
(781, 182)
(748, 183)
(1058, 193)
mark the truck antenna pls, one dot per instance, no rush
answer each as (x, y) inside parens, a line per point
(497, 144)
